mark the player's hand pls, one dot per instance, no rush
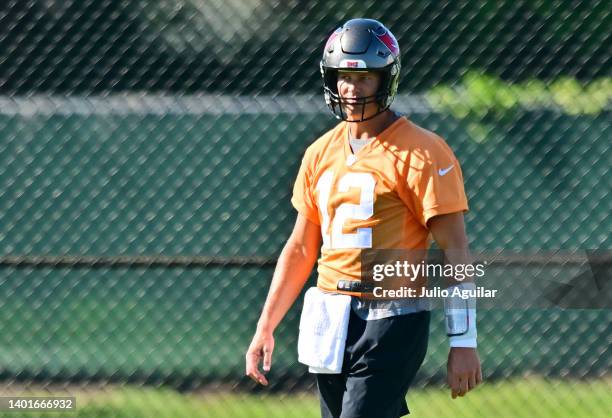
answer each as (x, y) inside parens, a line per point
(463, 369)
(261, 348)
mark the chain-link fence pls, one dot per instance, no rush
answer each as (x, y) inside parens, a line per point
(147, 155)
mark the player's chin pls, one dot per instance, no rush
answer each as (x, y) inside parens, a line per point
(352, 112)
(356, 115)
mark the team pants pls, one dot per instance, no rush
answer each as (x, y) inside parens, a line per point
(381, 358)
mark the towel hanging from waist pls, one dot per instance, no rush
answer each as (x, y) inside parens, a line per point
(323, 330)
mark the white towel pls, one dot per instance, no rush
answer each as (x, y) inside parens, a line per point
(323, 329)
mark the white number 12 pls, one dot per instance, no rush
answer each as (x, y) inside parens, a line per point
(364, 210)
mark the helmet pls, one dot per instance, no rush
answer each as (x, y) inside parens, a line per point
(366, 45)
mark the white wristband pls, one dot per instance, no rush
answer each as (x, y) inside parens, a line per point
(460, 315)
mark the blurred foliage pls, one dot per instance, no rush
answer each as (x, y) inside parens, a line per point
(479, 94)
(270, 47)
(491, 99)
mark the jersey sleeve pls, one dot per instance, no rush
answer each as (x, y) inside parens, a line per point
(303, 199)
(434, 181)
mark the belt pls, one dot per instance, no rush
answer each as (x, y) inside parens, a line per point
(355, 286)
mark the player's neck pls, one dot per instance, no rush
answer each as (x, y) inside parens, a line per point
(372, 127)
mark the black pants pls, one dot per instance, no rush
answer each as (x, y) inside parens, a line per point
(381, 358)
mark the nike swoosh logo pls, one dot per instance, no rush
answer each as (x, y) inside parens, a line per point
(443, 171)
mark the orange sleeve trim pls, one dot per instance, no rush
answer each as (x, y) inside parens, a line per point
(444, 210)
(305, 211)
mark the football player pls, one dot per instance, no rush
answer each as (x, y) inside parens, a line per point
(376, 180)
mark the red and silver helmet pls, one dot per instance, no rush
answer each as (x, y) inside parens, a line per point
(361, 45)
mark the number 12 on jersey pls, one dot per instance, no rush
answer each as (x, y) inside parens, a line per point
(362, 211)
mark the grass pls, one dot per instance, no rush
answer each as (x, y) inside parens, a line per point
(530, 397)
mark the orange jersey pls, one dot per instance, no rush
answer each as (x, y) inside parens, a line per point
(381, 197)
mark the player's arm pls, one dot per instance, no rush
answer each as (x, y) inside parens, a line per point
(464, 371)
(291, 273)
(449, 233)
